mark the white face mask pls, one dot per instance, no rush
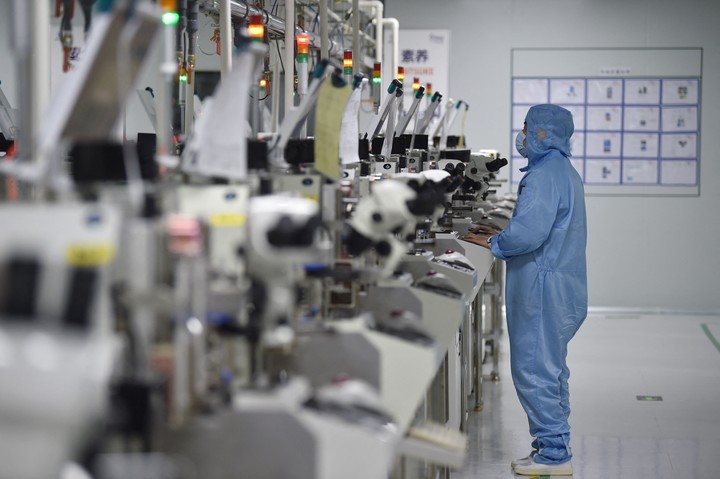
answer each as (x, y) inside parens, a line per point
(519, 139)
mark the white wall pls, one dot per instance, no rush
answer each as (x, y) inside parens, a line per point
(652, 252)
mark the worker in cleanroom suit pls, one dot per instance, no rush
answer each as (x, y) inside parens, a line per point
(546, 289)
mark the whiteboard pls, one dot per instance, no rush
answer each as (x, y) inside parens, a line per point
(636, 114)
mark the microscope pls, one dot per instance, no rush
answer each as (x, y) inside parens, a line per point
(59, 352)
(385, 220)
(283, 236)
(479, 172)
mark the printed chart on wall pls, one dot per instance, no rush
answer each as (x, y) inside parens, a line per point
(636, 114)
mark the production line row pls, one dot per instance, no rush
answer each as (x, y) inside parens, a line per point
(257, 310)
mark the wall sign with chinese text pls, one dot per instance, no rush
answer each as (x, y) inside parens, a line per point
(425, 54)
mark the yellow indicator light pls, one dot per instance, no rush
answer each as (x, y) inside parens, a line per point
(256, 29)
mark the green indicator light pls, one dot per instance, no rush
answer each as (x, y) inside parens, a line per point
(347, 71)
(376, 80)
(183, 78)
(302, 58)
(170, 18)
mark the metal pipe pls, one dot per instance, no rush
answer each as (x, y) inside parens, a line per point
(189, 106)
(241, 9)
(31, 41)
(379, 12)
(497, 318)
(336, 18)
(479, 348)
(225, 38)
(180, 54)
(395, 24)
(289, 56)
(274, 24)
(334, 48)
(22, 45)
(168, 69)
(275, 89)
(181, 91)
(324, 30)
(192, 32)
(356, 35)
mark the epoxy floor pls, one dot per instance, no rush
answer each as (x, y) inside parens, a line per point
(613, 359)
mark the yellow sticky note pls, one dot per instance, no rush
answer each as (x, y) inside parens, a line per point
(328, 120)
(87, 255)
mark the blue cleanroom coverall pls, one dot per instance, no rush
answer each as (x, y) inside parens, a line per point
(546, 289)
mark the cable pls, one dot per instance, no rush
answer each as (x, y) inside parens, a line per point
(277, 44)
(66, 20)
(86, 6)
